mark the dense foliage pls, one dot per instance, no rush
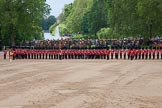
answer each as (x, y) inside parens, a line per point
(20, 20)
(47, 22)
(113, 18)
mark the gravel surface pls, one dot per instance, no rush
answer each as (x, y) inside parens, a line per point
(80, 84)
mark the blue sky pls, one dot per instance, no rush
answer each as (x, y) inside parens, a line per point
(57, 6)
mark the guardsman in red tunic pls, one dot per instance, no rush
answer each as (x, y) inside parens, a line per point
(149, 53)
(49, 54)
(112, 53)
(46, 53)
(29, 53)
(93, 53)
(146, 54)
(105, 53)
(69, 54)
(35, 54)
(132, 54)
(26, 54)
(75, 54)
(136, 53)
(65, 54)
(90, 54)
(153, 53)
(121, 53)
(158, 53)
(116, 54)
(129, 52)
(40, 54)
(43, 52)
(87, 53)
(161, 51)
(79, 54)
(97, 54)
(32, 54)
(22, 54)
(5, 54)
(108, 54)
(143, 53)
(60, 54)
(125, 53)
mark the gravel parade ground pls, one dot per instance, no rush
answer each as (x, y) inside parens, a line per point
(80, 84)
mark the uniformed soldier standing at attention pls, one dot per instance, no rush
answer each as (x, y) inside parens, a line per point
(136, 53)
(5, 54)
(125, 53)
(149, 53)
(49, 54)
(157, 52)
(161, 52)
(143, 53)
(146, 53)
(112, 53)
(46, 54)
(108, 54)
(116, 54)
(129, 52)
(28, 53)
(60, 54)
(121, 52)
(40, 54)
(139, 53)
(153, 53)
(43, 52)
(34, 54)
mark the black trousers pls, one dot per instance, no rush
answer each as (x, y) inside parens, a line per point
(128, 56)
(28, 56)
(43, 56)
(158, 56)
(4, 56)
(60, 57)
(120, 56)
(32, 56)
(139, 56)
(132, 57)
(146, 56)
(136, 56)
(143, 56)
(112, 56)
(124, 56)
(108, 57)
(149, 56)
(153, 56)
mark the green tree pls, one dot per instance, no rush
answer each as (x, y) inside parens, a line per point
(74, 20)
(47, 22)
(22, 18)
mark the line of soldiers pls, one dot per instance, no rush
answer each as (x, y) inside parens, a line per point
(132, 54)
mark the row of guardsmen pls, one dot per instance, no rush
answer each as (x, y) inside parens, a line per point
(132, 54)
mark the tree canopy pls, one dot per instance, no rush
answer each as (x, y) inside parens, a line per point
(47, 22)
(20, 20)
(124, 18)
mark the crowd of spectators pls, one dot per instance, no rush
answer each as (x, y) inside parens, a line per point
(93, 43)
